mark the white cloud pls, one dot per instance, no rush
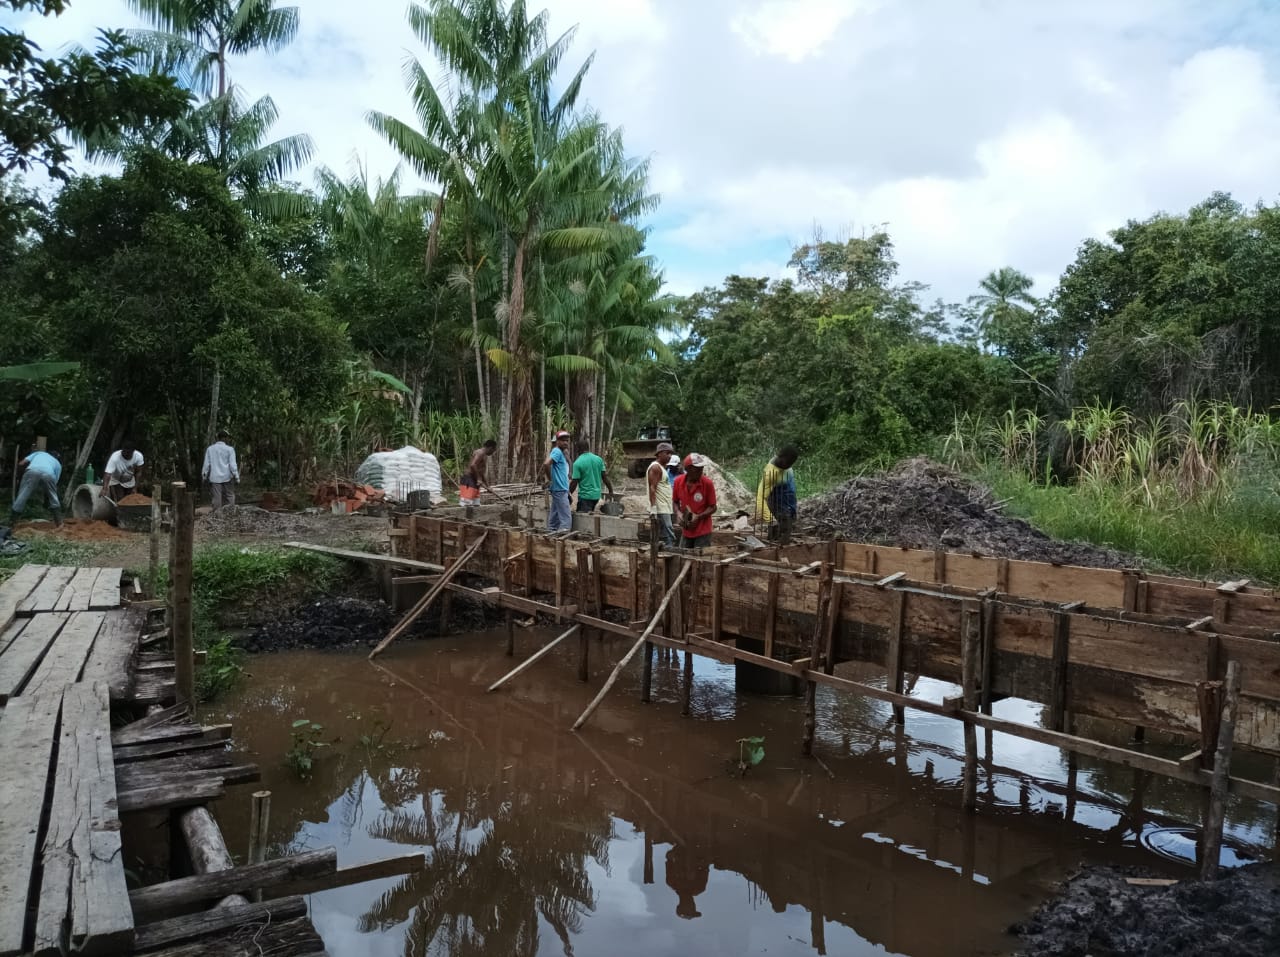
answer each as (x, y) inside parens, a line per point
(983, 135)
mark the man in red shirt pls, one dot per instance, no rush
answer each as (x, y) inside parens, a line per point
(694, 497)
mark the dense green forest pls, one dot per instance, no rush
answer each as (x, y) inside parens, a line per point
(197, 284)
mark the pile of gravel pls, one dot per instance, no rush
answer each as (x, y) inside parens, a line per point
(251, 520)
(922, 504)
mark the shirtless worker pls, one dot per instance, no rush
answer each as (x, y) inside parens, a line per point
(659, 482)
(474, 479)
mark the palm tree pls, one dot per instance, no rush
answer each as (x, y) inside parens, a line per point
(193, 40)
(364, 218)
(1005, 296)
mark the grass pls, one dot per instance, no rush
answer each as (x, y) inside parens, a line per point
(43, 550)
(1235, 533)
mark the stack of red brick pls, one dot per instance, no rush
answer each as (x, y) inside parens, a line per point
(352, 495)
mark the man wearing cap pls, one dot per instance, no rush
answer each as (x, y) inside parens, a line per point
(221, 471)
(659, 482)
(695, 501)
(556, 469)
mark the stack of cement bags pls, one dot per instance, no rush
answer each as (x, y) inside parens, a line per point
(401, 473)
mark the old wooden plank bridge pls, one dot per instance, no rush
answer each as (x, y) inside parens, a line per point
(1198, 660)
(100, 755)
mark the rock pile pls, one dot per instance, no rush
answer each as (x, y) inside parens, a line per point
(921, 504)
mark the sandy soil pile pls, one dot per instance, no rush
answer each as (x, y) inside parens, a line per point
(1099, 914)
(74, 530)
(731, 495)
(921, 504)
(134, 499)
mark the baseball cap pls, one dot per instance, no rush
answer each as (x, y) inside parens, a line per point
(665, 447)
(694, 461)
(562, 435)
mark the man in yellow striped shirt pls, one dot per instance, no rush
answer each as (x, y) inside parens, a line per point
(776, 502)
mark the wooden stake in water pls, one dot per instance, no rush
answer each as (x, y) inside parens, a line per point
(1221, 771)
(970, 636)
(531, 659)
(259, 823)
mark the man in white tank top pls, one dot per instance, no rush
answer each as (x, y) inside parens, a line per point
(660, 494)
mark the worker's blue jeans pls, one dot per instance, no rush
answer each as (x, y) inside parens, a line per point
(559, 518)
(33, 482)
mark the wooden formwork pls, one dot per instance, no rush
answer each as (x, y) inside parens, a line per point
(1143, 651)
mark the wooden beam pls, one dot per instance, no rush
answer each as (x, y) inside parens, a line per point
(1058, 687)
(151, 903)
(393, 561)
(17, 587)
(1216, 817)
(164, 933)
(626, 659)
(893, 660)
(355, 874)
(771, 615)
(891, 579)
(208, 786)
(528, 662)
(417, 610)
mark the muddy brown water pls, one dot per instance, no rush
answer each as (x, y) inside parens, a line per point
(634, 837)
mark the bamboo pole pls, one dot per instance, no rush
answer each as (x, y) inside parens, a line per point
(613, 677)
(1221, 772)
(531, 659)
(180, 573)
(414, 613)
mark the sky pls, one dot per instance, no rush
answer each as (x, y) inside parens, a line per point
(979, 133)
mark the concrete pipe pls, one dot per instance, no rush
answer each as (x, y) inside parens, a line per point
(89, 502)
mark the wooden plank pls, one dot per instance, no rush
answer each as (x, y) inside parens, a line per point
(893, 661)
(1059, 690)
(150, 903)
(66, 659)
(27, 733)
(84, 901)
(15, 588)
(187, 792)
(76, 593)
(212, 738)
(106, 590)
(25, 653)
(395, 561)
(136, 774)
(207, 923)
(355, 874)
(46, 594)
(260, 938)
(113, 655)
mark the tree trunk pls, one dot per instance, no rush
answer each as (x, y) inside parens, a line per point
(613, 421)
(211, 432)
(520, 407)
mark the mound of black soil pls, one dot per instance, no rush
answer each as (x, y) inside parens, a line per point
(1101, 915)
(921, 504)
(356, 623)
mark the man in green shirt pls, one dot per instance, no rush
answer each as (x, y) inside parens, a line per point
(588, 473)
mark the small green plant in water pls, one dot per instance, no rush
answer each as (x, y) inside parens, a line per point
(221, 668)
(750, 753)
(306, 742)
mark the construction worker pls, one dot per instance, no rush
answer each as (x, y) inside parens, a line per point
(588, 472)
(556, 470)
(474, 478)
(694, 495)
(659, 483)
(776, 503)
(43, 470)
(221, 471)
(123, 471)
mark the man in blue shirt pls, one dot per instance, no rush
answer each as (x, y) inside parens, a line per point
(42, 473)
(556, 469)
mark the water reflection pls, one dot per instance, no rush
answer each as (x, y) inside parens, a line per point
(634, 838)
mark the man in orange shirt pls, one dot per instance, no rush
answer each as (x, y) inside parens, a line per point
(695, 500)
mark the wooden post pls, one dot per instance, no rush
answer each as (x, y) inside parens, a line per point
(613, 678)
(585, 606)
(1058, 689)
(183, 648)
(988, 627)
(970, 625)
(1221, 771)
(259, 822)
(717, 586)
(771, 615)
(815, 655)
(511, 634)
(646, 679)
(893, 665)
(153, 570)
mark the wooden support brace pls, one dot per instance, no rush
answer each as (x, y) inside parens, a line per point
(988, 627)
(893, 660)
(717, 600)
(1058, 687)
(940, 566)
(1216, 817)
(891, 579)
(771, 615)
(832, 626)
(970, 636)
(528, 662)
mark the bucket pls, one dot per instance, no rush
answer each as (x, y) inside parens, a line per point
(88, 502)
(611, 508)
(134, 518)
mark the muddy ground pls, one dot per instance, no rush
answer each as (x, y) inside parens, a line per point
(1099, 914)
(921, 504)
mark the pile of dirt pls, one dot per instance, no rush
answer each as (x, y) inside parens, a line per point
(1098, 913)
(74, 530)
(251, 520)
(731, 494)
(921, 504)
(335, 622)
(134, 499)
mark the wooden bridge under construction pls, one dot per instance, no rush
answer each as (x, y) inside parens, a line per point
(1197, 660)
